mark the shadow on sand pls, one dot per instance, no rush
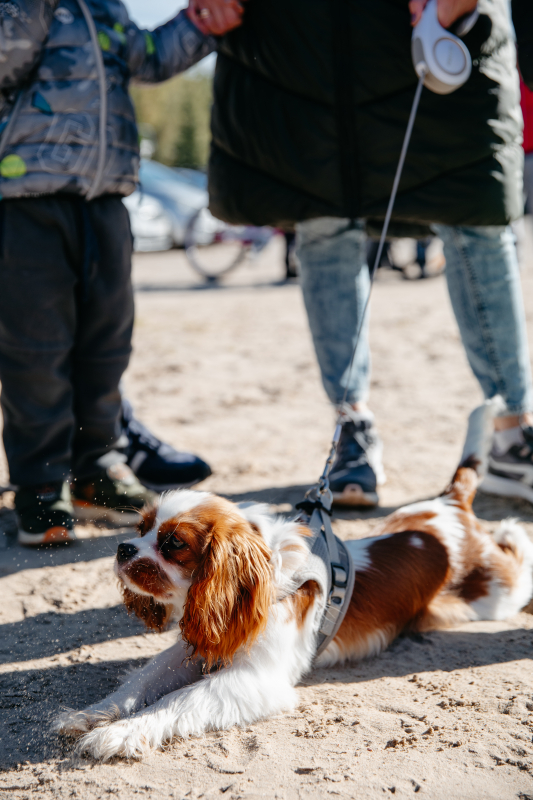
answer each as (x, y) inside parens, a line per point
(31, 699)
(52, 632)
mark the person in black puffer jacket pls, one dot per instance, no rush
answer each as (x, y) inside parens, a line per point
(68, 154)
(311, 102)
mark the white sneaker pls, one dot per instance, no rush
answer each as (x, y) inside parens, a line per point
(510, 470)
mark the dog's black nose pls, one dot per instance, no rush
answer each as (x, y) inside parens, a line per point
(125, 551)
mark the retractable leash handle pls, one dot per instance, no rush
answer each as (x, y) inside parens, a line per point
(439, 54)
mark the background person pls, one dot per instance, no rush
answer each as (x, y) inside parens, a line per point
(526, 101)
(308, 123)
(68, 154)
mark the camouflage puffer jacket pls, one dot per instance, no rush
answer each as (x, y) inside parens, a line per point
(67, 123)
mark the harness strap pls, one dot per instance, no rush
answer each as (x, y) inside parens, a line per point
(330, 537)
(337, 564)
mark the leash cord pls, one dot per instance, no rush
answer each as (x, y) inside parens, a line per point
(323, 483)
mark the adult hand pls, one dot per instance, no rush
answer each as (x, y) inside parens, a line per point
(448, 10)
(215, 16)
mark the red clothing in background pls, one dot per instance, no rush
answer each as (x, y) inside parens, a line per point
(527, 110)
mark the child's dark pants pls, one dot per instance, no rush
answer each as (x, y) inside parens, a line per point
(66, 317)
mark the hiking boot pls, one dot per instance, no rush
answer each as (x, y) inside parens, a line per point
(510, 464)
(45, 514)
(112, 495)
(158, 465)
(357, 470)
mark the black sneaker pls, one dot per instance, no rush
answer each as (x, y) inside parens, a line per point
(112, 495)
(357, 469)
(45, 514)
(157, 465)
(510, 474)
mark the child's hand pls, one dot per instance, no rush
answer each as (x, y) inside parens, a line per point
(215, 16)
(448, 10)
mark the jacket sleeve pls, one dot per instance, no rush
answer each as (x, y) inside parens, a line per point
(24, 27)
(171, 48)
(523, 23)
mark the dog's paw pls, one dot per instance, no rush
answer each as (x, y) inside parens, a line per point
(75, 723)
(122, 738)
(71, 723)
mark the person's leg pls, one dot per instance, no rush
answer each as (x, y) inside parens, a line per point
(38, 253)
(528, 183)
(484, 285)
(104, 419)
(335, 284)
(37, 328)
(103, 339)
(104, 487)
(291, 268)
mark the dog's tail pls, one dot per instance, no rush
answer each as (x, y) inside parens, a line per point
(463, 486)
(473, 464)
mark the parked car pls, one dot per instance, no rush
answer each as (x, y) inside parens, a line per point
(163, 205)
(151, 225)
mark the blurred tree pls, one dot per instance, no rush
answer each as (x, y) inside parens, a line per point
(162, 107)
(187, 154)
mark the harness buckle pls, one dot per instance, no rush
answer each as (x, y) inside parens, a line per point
(339, 576)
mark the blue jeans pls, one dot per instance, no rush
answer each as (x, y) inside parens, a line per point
(484, 286)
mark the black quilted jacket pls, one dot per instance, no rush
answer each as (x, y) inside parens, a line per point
(311, 101)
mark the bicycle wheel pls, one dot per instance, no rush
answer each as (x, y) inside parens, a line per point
(214, 249)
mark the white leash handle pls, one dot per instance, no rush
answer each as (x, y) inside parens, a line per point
(443, 57)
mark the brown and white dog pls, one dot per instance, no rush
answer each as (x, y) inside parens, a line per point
(248, 634)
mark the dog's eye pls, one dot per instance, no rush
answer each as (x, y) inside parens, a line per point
(173, 544)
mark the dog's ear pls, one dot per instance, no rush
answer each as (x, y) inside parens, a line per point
(154, 615)
(228, 601)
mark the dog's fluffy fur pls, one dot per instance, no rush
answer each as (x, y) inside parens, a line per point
(225, 572)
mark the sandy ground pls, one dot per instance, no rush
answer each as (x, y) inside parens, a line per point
(230, 372)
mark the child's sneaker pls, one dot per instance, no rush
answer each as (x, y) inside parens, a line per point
(358, 468)
(157, 464)
(45, 514)
(510, 464)
(113, 495)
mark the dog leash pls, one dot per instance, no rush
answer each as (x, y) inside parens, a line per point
(318, 500)
(443, 64)
(322, 490)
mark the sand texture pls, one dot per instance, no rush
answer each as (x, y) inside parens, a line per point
(231, 374)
